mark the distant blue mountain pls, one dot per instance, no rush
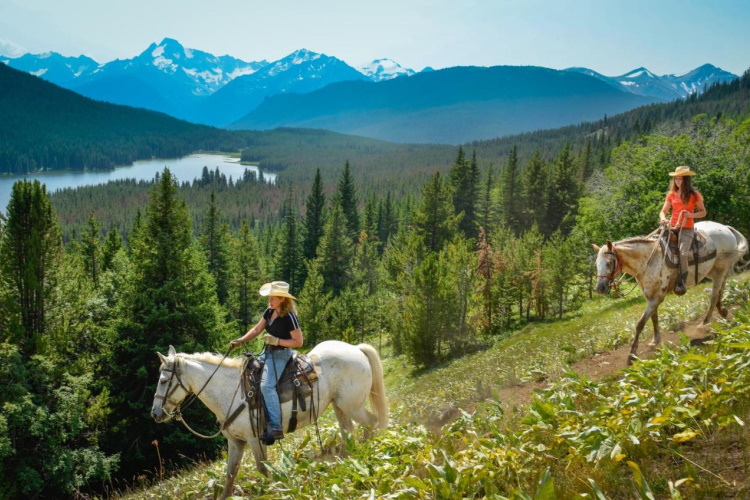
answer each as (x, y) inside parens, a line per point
(165, 77)
(299, 72)
(641, 81)
(453, 105)
(55, 68)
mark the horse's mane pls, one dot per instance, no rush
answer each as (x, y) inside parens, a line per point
(637, 239)
(215, 359)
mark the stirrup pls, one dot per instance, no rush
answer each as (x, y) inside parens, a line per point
(270, 436)
(680, 288)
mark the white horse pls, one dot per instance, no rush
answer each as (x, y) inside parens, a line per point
(640, 257)
(347, 375)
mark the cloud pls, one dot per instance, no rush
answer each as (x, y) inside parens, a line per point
(10, 49)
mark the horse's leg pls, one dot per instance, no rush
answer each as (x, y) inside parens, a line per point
(236, 448)
(657, 333)
(716, 291)
(259, 454)
(651, 306)
(721, 307)
(345, 423)
(365, 418)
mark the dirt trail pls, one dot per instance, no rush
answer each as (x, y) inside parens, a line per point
(604, 364)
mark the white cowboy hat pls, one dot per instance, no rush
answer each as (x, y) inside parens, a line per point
(681, 172)
(276, 289)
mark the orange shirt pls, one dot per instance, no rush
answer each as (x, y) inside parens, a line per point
(678, 206)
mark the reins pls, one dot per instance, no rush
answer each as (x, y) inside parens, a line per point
(613, 282)
(177, 413)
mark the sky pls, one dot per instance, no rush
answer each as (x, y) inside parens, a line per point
(608, 36)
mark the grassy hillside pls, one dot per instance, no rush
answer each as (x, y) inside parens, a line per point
(671, 427)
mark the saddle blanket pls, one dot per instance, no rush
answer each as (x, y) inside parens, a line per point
(702, 249)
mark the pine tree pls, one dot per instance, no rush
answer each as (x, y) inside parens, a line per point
(346, 198)
(511, 191)
(487, 213)
(169, 298)
(335, 251)
(564, 193)
(464, 179)
(215, 241)
(314, 220)
(435, 221)
(30, 253)
(244, 277)
(90, 239)
(288, 264)
(424, 313)
(534, 191)
(387, 221)
(587, 163)
(313, 305)
(112, 245)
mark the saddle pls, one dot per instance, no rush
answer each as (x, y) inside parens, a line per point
(702, 250)
(295, 384)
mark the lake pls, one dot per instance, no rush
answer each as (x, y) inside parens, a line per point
(185, 169)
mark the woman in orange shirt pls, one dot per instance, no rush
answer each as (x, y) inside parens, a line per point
(684, 200)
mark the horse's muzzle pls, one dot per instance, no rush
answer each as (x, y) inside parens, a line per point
(159, 415)
(602, 286)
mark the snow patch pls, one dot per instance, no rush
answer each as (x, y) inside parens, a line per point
(39, 72)
(241, 72)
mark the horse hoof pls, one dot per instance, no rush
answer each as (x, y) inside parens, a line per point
(724, 312)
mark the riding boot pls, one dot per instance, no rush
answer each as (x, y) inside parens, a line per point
(270, 436)
(680, 288)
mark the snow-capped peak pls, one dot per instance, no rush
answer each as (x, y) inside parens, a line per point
(384, 69)
(639, 73)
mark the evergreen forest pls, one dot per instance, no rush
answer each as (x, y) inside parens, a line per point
(425, 258)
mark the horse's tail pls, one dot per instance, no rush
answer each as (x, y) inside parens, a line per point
(743, 262)
(377, 391)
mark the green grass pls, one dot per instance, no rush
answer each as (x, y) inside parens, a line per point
(671, 427)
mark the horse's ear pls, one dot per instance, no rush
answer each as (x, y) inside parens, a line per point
(172, 352)
(162, 358)
(609, 246)
(595, 247)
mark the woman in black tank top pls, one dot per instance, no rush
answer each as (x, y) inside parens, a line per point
(283, 333)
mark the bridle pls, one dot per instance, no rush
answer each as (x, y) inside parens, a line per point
(617, 271)
(176, 414)
(174, 370)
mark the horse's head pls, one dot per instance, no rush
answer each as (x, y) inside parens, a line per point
(170, 391)
(608, 266)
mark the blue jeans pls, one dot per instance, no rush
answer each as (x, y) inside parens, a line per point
(275, 361)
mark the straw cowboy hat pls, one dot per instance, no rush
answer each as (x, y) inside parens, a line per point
(682, 172)
(276, 289)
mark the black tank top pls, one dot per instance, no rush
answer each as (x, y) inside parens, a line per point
(283, 326)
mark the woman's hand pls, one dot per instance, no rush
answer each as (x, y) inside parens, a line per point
(271, 340)
(235, 343)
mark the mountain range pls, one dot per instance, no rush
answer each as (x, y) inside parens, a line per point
(453, 105)
(228, 92)
(641, 81)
